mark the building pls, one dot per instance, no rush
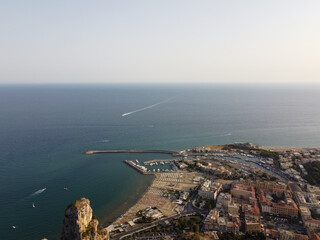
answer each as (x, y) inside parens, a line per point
(314, 236)
(233, 209)
(288, 235)
(210, 223)
(307, 199)
(181, 165)
(267, 186)
(242, 191)
(272, 234)
(224, 225)
(152, 212)
(232, 227)
(252, 225)
(312, 224)
(305, 213)
(210, 190)
(223, 200)
(313, 189)
(287, 208)
(251, 211)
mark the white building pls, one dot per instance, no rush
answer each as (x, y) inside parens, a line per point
(210, 190)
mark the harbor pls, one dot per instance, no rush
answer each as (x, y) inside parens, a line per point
(153, 166)
(140, 169)
(155, 161)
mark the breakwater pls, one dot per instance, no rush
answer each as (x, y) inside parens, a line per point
(174, 153)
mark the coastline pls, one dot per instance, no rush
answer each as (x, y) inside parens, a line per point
(140, 204)
(118, 219)
(153, 196)
(109, 215)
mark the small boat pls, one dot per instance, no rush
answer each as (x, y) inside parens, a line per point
(65, 188)
(33, 205)
(14, 227)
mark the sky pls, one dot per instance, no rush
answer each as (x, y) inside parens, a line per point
(164, 41)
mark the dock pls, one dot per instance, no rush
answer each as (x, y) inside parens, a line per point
(137, 167)
(158, 160)
(90, 152)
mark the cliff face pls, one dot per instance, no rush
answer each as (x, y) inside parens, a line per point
(78, 223)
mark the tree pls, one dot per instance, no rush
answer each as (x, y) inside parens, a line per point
(196, 228)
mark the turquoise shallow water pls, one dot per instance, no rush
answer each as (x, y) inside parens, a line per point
(45, 129)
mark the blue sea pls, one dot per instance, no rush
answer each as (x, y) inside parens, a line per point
(44, 130)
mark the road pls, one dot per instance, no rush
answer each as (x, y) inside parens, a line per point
(149, 225)
(188, 211)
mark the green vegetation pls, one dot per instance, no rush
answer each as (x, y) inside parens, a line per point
(196, 228)
(234, 236)
(313, 169)
(193, 191)
(270, 226)
(314, 214)
(269, 154)
(226, 165)
(241, 146)
(177, 226)
(208, 205)
(191, 166)
(268, 218)
(191, 223)
(277, 198)
(145, 219)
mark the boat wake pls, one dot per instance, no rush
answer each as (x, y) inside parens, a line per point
(38, 192)
(145, 108)
(224, 135)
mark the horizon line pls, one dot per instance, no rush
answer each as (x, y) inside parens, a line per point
(165, 83)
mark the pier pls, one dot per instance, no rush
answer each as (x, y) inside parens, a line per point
(137, 167)
(174, 153)
(158, 160)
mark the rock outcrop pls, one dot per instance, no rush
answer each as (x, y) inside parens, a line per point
(80, 224)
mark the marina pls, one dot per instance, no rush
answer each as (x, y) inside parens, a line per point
(152, 166)
(156, 161)
(140, 169)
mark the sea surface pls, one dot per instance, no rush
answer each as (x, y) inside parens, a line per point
(44, 130)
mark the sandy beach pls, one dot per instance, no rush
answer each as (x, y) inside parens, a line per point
(163, 182)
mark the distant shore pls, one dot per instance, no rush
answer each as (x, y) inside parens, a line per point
(90, 152)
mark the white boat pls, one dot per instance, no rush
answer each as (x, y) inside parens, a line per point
(14, 227)
(33, 205)
(137, 160)
(65, 188)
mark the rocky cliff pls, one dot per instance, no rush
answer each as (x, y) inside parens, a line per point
(80, 224)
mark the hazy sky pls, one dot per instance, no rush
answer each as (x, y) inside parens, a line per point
(159, 41)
